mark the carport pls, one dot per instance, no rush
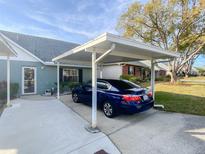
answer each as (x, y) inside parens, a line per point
(7, 51)
(110, 48)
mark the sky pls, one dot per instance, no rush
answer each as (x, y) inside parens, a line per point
(69, 20)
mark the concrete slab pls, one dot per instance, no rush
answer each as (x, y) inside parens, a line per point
(37, 97)
(152, 131)
(47, 127)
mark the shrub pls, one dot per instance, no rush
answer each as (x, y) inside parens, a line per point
(14, 90)
(14, 87)
(68, 86)
(72, 85)
(163, 78)
(131, 78)
(125, 77)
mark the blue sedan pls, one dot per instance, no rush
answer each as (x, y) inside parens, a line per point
(114, 96)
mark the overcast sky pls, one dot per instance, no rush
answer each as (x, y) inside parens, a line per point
(70, 20)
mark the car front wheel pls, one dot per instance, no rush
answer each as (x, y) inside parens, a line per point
(75, 98)
(109, 110)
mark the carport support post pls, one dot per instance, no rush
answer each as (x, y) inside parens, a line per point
(94, 91)
(153, 84)
(152, 78)
(58, 80)
(8, 81)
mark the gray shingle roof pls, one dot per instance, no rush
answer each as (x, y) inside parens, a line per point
(44, 48)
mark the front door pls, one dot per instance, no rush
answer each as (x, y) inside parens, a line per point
(29, 80)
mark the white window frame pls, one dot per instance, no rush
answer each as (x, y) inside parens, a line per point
(35, 81)
(72, 70)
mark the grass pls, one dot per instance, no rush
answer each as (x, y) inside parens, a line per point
(196, 78)
(183, 98)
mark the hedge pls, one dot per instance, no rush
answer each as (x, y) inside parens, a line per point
(14, 88)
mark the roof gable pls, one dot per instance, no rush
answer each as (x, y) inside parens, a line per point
(43, 48)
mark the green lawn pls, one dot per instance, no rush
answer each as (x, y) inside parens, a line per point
(183, 98)
(196, 78)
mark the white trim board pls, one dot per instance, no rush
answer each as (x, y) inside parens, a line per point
(21, 48)
(22, 56)
(68, 65)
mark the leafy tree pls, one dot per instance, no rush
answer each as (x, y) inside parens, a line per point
(174, 25)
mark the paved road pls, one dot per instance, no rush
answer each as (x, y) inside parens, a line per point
(47, 127)
(151, 132)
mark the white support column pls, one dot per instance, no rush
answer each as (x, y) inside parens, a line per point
(94, 91)
(153, 84)
(153, 78)
(8, 81)
(58, 80)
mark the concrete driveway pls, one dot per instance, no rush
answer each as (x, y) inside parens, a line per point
(151, 132)
(44, 126)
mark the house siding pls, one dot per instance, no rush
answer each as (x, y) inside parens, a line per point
(110, 72)
(139, 71)
(87, 74)
(46, 75)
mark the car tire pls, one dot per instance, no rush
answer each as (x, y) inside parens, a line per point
(109, 109)
(75, 98)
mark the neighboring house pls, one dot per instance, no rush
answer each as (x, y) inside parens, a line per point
(33, 68)
(198, 71)
(194, 71)
(139, 69)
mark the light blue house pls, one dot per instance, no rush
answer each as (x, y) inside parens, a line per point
(33, 68)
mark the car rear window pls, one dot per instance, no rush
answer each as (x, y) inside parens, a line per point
(120, 84)
(102, 86)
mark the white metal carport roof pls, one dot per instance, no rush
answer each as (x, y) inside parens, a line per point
(110, 48)
(8, 51)
(125, 50)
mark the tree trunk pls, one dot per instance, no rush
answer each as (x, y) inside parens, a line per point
(173, 77)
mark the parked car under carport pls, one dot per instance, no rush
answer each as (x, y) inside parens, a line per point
(115, 96)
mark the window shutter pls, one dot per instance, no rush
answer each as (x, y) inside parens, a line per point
(61, 74)
(80, 75)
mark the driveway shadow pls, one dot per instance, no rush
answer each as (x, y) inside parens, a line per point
(107, 125)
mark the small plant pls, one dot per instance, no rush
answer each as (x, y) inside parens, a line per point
(14, 87)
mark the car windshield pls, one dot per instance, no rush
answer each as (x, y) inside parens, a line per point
(121, 84)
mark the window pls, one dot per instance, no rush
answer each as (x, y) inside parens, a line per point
(70, 75)
(131, 70)
(124, 85)
(102, 85)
